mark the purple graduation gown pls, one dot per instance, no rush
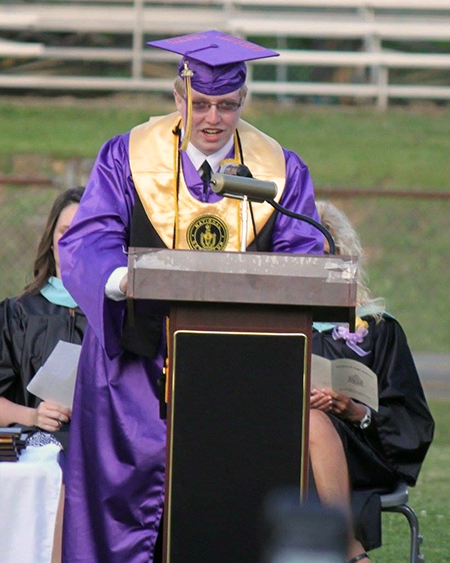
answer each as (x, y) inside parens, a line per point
(115, 474)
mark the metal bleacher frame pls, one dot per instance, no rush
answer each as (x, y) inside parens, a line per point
(371, 22)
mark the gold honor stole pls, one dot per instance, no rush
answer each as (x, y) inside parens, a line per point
(153, 162)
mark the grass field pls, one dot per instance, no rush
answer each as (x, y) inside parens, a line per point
(406, 239)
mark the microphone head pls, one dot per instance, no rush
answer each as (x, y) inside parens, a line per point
(238, 186)
(236, 170)
(244, 171)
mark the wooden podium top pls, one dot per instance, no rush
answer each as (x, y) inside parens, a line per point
(325, 283)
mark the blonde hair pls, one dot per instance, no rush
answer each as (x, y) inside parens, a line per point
(348, 243)
(180, 88)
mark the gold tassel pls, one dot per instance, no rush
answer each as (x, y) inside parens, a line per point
(175, 190)
(186, 73)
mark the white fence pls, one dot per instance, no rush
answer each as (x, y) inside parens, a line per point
(382, 37)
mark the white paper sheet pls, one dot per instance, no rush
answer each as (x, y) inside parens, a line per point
(55, 380)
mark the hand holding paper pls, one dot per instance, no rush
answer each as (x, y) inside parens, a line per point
(346, 376)
(55, 380)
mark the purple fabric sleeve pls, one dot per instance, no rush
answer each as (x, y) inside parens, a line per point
(293, 235)
(97, 242)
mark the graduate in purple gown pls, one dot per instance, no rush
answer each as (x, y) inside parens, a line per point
(146, 189)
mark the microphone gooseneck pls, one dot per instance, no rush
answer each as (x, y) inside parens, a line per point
(236, 181)
(326, 233)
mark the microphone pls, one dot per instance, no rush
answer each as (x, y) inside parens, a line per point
(236, 181)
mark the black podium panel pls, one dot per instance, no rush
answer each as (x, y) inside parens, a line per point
(237, 420)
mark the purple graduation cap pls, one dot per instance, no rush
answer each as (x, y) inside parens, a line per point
(213, 63)
(215, 59)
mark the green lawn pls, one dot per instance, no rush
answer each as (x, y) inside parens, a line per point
(361, 148)
(406, 240)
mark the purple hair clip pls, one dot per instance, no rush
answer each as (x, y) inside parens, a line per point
(352, 339)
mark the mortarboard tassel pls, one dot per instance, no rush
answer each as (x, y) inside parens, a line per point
(186, 73)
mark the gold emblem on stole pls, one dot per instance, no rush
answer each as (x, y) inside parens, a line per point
(207, 232)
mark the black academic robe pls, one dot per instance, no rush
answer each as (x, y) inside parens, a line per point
(30, 327)
(395, 444)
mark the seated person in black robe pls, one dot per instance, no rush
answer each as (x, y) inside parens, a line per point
(30, 327)
(371, 450)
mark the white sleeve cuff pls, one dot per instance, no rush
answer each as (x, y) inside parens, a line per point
(112, 287)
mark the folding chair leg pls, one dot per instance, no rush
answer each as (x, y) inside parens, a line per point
(416, 538)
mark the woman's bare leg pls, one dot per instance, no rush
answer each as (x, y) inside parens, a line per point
(330, 469)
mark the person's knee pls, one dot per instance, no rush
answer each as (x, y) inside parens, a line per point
(321, 428)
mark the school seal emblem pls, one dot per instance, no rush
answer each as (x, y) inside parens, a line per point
(207, 232)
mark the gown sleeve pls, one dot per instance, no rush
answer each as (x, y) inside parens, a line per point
(9, 363)
(97, 242)
(404, 422)
(294, 235)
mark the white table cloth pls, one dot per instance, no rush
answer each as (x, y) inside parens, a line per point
(29, 495)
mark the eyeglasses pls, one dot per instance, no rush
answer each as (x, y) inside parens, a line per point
(227, 106)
